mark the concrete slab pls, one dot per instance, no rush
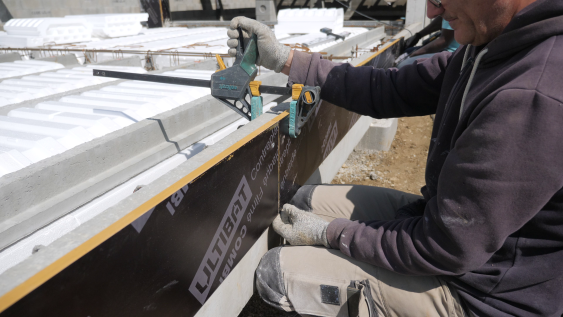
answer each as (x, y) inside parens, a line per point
(380, 135)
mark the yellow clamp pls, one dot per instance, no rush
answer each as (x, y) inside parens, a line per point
(220, 63)
(308, 97)
(296, 91)
(255, 88)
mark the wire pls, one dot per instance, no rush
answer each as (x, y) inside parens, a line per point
(366, 16)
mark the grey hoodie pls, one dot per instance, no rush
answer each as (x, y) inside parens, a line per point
(491, 221)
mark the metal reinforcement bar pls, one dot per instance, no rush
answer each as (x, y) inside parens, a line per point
(63, 51)
(194, 24)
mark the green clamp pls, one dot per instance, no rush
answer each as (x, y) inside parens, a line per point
(256, 107)
(292, 118)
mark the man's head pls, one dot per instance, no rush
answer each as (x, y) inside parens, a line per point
(477, 22)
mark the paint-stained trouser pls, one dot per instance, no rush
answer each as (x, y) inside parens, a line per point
(324, 282)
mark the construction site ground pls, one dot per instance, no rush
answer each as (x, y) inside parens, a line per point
(401, 168)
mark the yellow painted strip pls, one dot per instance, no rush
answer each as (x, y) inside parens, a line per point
(60, 264)
(379, 52)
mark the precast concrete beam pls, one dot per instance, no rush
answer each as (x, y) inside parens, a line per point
(68, 60)
(379, 136)
(345, 48)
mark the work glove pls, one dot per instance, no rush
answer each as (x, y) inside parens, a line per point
(412, 41)
(300, 227)
(271, 53)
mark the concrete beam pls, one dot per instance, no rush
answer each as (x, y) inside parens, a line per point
(68, 60)
(345, 48)
(380, 135)
(132, 61)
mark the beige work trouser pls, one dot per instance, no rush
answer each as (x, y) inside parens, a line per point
(324, 282)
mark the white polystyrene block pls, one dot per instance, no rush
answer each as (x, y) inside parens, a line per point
(161, 102)
(47, 30)
(180, 97)
(14, 96)
(309, 20)
(159, 30)
(114, 25)
(122, 118)
(100, 123)
(21, 41)
(34, 146)
(34, 92)
(129, 112)
(68, 135)
(20, 68)
(12, 160)
(61, 84)
(122, 104)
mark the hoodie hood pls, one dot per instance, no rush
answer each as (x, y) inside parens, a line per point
(535, 23)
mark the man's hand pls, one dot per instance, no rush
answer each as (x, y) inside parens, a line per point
(299, 227)
(271, 53)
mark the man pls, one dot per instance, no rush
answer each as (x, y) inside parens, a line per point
(445, 42)
(486, 237)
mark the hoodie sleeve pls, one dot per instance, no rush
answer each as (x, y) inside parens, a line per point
(412, 91)
(502, 170)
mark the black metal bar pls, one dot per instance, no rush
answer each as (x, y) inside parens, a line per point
(272, 90)
(154, 78)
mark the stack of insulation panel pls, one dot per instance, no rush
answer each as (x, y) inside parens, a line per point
(114, 25)
(40, 31)
(28, 135)
(13, 91)
(299, 21)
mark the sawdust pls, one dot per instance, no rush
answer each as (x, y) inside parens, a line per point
(401, 168)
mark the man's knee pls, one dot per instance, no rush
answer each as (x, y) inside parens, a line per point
(302, 199)
(269, 280)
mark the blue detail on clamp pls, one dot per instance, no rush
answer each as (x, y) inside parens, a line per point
(256, 107)
(292, 117)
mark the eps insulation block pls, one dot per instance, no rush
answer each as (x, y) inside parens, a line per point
(114, 25)
(309, 20)
(37, 32)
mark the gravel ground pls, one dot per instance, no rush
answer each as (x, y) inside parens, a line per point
(401, 168)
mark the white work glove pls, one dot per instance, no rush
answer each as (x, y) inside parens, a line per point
(271, 53)
(300, 227)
